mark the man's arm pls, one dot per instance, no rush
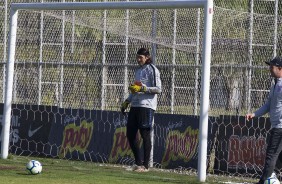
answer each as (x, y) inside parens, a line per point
(260, 112)
(157, 88)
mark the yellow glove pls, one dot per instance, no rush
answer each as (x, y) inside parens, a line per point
(137, 88)
(124, 106)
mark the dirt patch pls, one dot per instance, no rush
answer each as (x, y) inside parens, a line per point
(4, 167)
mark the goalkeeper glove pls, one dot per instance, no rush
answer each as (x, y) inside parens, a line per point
(137, 88)
(124, 106)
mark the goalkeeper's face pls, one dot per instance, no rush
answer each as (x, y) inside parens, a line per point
(141, 59)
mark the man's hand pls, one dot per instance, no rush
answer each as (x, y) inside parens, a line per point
(135, 88)
(249, 116)
(124, 106)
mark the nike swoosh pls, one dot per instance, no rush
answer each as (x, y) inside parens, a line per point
(32, 132)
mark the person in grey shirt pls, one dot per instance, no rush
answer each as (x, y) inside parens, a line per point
(273, 106)
(143, 101)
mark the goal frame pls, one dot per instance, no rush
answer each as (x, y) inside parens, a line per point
(207, 5)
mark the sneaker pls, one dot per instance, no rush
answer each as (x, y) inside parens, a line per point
(133, 168)
(142, 169)
(273, 175)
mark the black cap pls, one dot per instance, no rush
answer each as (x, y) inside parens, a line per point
(275, 62)
(143, 51)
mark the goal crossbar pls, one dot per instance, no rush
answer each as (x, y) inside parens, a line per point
(111, 5)
(207, 5)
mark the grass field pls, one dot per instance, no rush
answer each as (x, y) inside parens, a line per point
(58, 171)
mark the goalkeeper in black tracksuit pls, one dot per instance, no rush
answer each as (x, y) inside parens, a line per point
(143, 100)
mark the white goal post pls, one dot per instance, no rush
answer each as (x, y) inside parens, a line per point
(207, 5)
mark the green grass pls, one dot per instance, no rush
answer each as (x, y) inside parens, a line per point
(58, 171)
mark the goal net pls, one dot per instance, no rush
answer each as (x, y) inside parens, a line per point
(72, 69)
(82, 59)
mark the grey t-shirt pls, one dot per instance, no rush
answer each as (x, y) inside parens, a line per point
(273, 105)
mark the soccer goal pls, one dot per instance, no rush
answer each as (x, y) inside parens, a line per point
(102, 37)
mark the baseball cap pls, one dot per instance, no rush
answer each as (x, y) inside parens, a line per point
(143, 51)
(275, 62)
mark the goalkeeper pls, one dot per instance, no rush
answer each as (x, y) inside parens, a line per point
(143, 100)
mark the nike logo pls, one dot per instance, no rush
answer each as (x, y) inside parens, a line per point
(32, 132)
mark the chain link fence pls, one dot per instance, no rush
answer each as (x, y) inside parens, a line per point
(86, 59)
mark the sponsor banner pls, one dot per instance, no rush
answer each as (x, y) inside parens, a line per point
(30, 127)
(120, 149)
(240, 144)
(72, 131)
(100, 136)
(15, 127)
(177, 140)
(83, 134)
